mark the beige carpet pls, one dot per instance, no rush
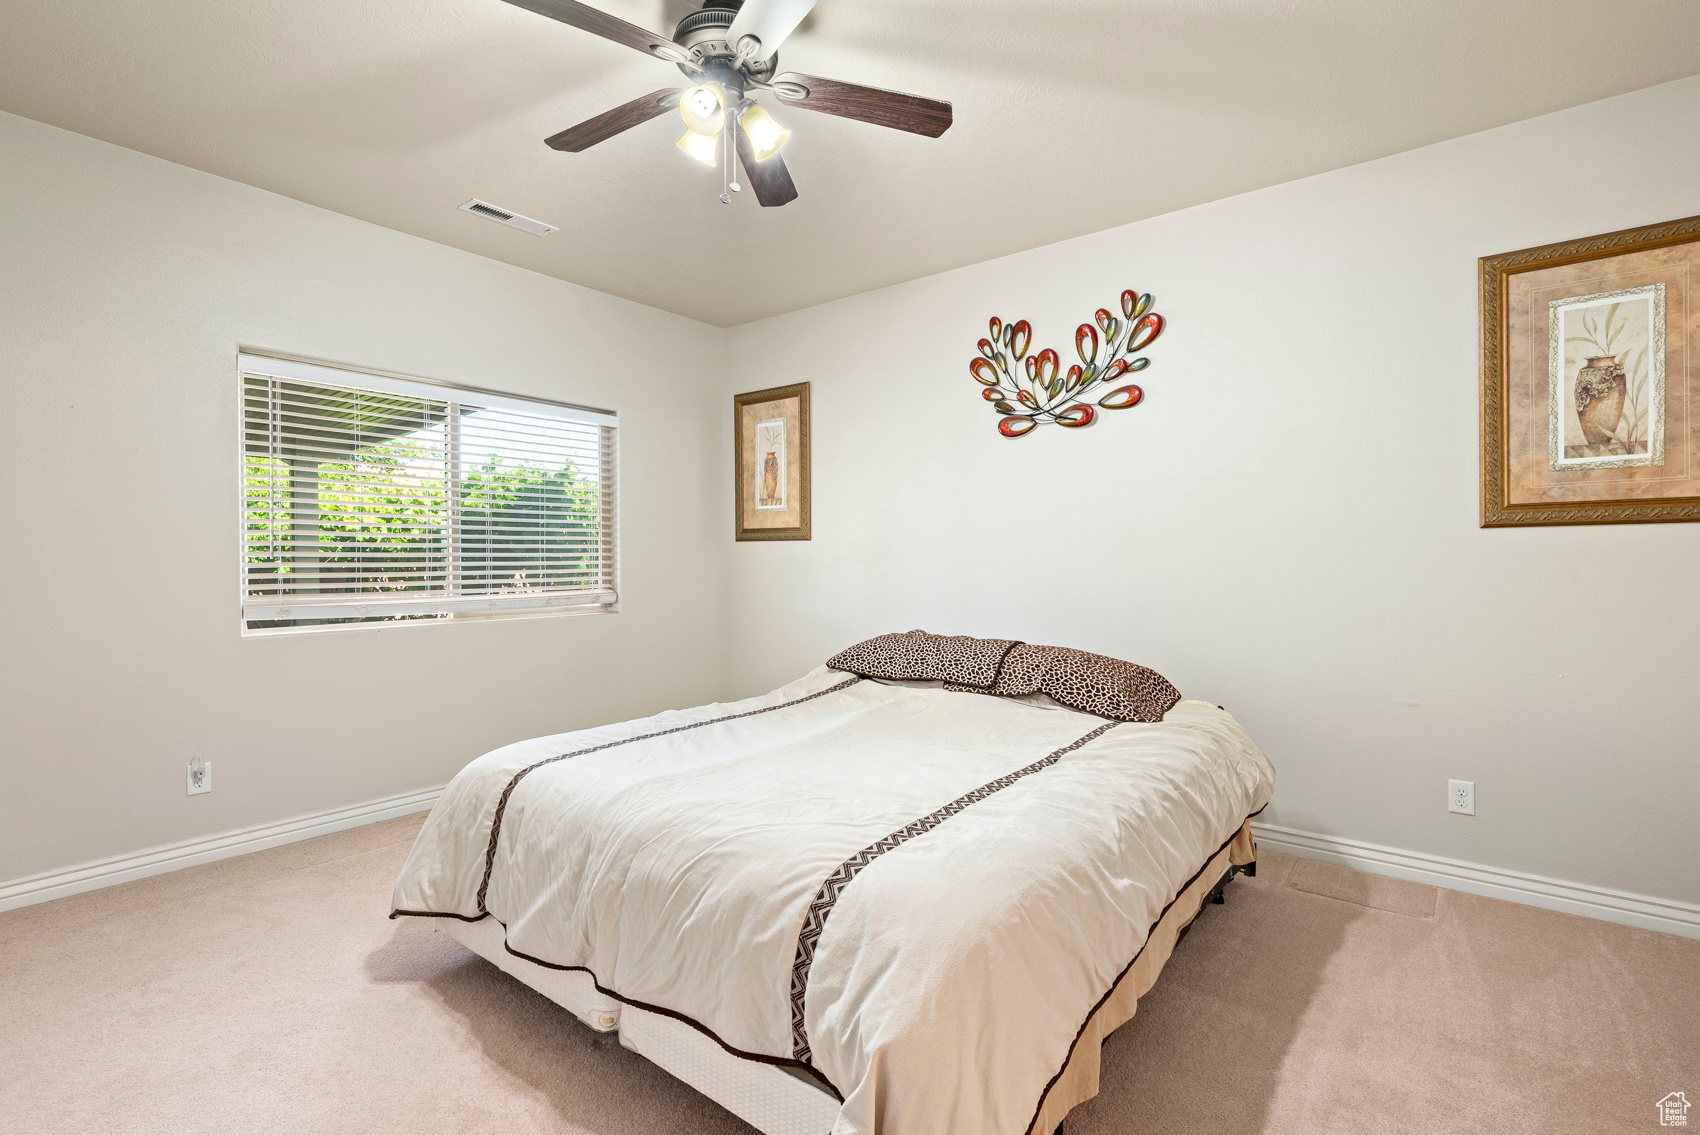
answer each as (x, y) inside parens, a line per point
(269, 994)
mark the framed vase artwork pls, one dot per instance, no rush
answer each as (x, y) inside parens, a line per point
(771, 463)
(1590, 393)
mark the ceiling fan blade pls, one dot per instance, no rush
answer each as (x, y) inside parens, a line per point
(586, 18)
(575, 139)
(769, 21)
(866, 104)
(770, 180)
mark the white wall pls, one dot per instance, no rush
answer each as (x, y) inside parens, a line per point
(126, 285)
(1288, 525)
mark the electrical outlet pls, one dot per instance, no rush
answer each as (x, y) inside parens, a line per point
(200, 777)
(1461, 797)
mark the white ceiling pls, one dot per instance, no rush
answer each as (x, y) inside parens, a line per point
(1072, 116)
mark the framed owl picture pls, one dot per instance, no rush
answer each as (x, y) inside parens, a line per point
(1591, 380)
(771, 463)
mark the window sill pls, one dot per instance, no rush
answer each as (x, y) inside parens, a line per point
(460, 617)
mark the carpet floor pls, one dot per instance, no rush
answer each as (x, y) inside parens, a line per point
(268, 993)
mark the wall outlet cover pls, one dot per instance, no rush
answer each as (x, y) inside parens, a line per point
(202, 783)
(1461, 797)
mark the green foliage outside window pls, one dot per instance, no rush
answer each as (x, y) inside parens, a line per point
(385, 525)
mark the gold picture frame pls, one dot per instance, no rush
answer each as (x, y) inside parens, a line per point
(770, 463)
(1591, 380)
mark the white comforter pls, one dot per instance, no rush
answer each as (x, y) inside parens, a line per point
(954, 969)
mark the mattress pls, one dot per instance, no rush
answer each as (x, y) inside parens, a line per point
(922, 901)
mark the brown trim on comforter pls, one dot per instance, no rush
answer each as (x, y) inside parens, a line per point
(438, 914)
(782, 1061)
(760, 1058)
(814, 922)
(502, 804)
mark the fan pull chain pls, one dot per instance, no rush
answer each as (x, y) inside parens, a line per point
(727, 144)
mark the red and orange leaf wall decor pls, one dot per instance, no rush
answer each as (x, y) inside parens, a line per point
(1031, 390)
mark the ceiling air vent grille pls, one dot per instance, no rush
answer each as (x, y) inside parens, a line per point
(512, 220)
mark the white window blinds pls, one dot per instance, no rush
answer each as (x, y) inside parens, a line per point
(368, 498)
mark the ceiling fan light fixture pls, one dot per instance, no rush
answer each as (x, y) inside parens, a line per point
(766, 136)
(703, 107)
(728, 48)
(705, 148)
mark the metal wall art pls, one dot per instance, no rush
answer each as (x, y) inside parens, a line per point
(1031, 390)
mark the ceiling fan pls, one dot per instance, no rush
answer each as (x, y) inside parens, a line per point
(727, 49)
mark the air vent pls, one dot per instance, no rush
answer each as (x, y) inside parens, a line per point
(512, 220)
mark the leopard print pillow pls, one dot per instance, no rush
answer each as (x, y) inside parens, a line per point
(1091, 683)
(963, 662)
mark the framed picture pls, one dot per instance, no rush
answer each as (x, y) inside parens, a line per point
(1590, 393)
(771, 463)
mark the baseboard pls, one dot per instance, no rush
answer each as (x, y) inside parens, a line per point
(1534, 890)
(190, 852)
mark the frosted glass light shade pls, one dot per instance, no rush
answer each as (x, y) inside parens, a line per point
(703, 108)
(766, 136)
(705, 148)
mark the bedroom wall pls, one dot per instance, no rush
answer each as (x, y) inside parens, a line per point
(1288, 525)
(126, 285)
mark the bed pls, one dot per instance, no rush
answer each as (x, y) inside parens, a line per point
(871, 902)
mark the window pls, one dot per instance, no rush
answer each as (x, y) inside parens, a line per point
(368, 499)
